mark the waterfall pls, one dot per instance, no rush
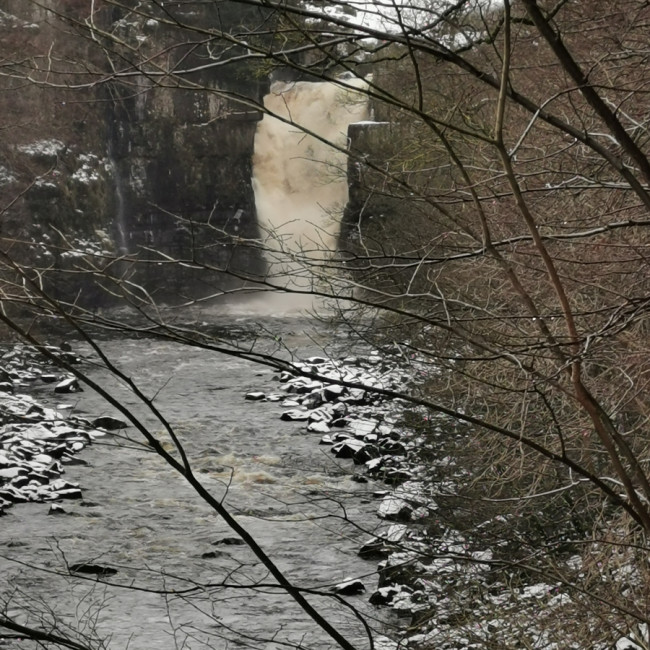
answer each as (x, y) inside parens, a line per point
(299, 179)
(120, 205)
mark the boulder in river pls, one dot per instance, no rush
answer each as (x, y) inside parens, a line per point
(92, 569)
(229, 541)
(68, 385)
(349, 588)
(109, 423)
(295, 415)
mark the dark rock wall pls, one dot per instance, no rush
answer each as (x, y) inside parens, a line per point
(182, 162)
(182, 155)
(144, 165)
(372, 201)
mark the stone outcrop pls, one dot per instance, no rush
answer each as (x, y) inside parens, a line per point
(132, 162)
(182, 155)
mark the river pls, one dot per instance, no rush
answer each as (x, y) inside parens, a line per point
(139, 517)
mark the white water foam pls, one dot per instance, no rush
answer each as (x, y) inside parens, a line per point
(300, 179)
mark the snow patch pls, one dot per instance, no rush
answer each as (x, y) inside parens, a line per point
(47, 148)
(416, 17)
(87, 173)
(6, 177)
(85, 247)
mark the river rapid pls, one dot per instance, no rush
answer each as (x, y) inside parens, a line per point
(139, 517)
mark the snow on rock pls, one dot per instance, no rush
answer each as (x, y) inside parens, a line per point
(88, 171)
(350, 587)
(6, 177)
(637, 640)
(363, 427)
(394, 508)
(68, 385)
(83, 247)
(36, 442)
(318, 427)
(48, 149)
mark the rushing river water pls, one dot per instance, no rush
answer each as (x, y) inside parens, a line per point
(138, 516)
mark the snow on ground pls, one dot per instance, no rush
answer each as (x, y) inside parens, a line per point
(6, 177)
(48, 148)
(9, 21)
(402, 15)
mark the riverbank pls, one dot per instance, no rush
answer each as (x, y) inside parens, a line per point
(447, 567)
(446, 584)
(38, 442)
(152, 537)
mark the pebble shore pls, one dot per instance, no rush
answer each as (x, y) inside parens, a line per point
(428, 579)
(361, 425)
(36, 442)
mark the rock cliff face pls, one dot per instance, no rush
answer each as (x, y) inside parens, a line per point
(134, 164)
(181, 152)
(114, 168)
(372, 144)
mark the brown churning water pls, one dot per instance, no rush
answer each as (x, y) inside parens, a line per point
(300, 175)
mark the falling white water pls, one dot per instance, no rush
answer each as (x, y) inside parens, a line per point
(120, 209)
(299, 179)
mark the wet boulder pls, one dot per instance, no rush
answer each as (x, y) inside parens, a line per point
(109, 423)
(295, 415)
(347, 448)
(212, 555)
(349, 588)
(68, 385)
(88, 568)
(229, 541)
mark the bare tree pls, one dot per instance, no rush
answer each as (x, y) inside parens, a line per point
(496, 228)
